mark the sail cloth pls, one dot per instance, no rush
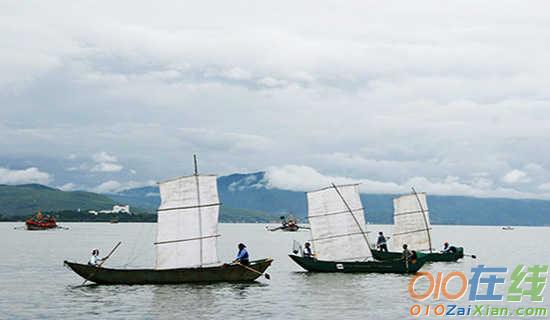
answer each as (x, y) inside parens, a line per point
(336, 236)
(411, 222)
(187, 225)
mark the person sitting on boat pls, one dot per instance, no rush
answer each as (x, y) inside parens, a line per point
(291, 223)
(381, 243)
(284, 223)
(95, 260)
(448, 249)
(307, 250)
(242, 256)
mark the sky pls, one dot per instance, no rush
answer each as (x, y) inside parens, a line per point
(451, 97)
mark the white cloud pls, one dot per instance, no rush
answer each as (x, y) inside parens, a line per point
(303, 178)
(516, 176)
(108, 187)
(104, 157)
(29, 175)
(105, 163)
(106, 167)
(300, 178)
(545, 186)
(113, 186)
(68, 187)
(354, 97)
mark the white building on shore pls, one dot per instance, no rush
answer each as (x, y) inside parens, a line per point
(116, 209)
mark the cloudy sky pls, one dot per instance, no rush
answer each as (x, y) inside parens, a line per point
(452, 97)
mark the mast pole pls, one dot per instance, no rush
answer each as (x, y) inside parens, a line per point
(425, 219)
(198, 204)
(195, 163)
(354, 218)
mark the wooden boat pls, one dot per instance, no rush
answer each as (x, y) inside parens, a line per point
(412, 227)
(223, 273)
(288, 225)
(339, 241)
(394, 266)
(430, 257)
(287, 228)
(39, 222)
(186, 244)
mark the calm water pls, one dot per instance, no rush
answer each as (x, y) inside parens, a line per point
(35, 285)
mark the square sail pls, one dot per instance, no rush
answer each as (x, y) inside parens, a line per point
(411, 222)
(336, 234)
(187, 225)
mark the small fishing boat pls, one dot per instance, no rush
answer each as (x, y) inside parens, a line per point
(339, 240)
(289, 224)
(186, 244)
(394, 266)
(39, 222)
(429, 256)
(508, 228)
(222, 273)
(412, 227)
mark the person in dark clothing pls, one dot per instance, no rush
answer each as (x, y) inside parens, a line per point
(407, 255)
(448, 249)
(381, 243)
(242, 255)
(307, 250)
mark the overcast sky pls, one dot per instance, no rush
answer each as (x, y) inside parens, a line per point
(452, 97)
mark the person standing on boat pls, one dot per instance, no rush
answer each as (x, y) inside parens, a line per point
(242, 256)
(448, 249)
(307, 250)
(95, 260)
(406, 255)
(381, 243)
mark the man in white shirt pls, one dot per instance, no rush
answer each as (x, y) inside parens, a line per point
(95, 260)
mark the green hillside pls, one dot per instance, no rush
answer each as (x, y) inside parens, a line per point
(226, 215)
(25, 200)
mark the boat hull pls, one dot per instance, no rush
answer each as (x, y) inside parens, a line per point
(32, 225)
(395, 266)
(224, 273)
(430, 257)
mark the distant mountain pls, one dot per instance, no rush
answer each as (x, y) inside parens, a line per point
(249, 191)
(25, 200)
(246, 198)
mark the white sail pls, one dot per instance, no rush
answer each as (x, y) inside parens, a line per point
(411, 222)
(187, 225)
(336, 236)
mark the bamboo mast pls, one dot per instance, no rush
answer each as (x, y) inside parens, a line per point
(425, 219)
(354, 218)
(196, 174)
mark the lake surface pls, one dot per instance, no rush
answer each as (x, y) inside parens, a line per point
(35, 285)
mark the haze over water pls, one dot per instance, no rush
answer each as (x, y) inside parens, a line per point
(35, 285)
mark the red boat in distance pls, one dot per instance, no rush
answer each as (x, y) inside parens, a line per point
(41, 222)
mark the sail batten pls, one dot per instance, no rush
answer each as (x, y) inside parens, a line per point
(187, 227)
(411, 222)
(337, 234)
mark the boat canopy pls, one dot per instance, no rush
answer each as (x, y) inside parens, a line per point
(337, 235)
(187, 225)
(411, 222)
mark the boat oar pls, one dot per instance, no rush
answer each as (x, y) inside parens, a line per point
(266, 275)
(102, 262)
